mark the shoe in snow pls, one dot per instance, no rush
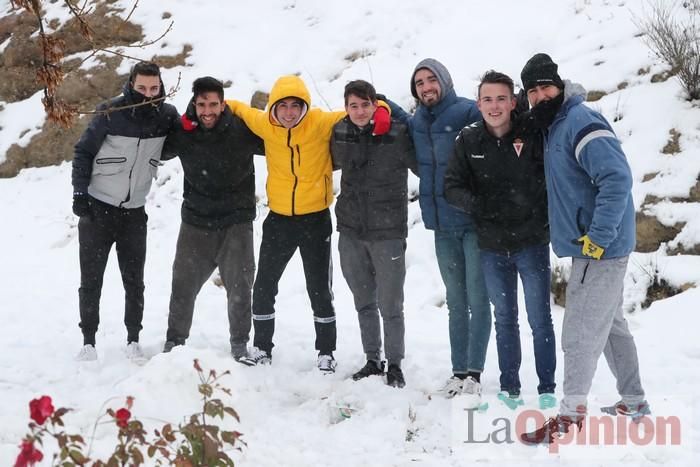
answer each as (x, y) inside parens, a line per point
(452, 387)
(512, 401)
(255, 356)
(372, 367)
(326, 363)
(170, 345)
(134, 352)
(547, 400)
(471, 393)
(634, 410)
(551, 430)
(394, 376)
(87, 354)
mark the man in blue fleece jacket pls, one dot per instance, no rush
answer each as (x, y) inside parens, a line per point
(591, 217)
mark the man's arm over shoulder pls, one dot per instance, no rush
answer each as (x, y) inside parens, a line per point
(399, 113)
(256, 144)
(599, 153)
(408, 151)
(255, 119)
(458, 191)
(87, 148)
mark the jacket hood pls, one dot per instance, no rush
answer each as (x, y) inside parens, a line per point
(288, 86)
(574, 93)
(440, 72)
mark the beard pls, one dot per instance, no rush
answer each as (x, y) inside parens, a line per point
(544, 113)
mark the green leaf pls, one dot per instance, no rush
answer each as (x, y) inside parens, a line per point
(232, 412)
(78, 456)
(205, 390)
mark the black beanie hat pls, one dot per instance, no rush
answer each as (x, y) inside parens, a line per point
(540, 70)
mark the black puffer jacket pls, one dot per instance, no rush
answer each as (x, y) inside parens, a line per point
(500, 181)
(373, 200)
(219, 186)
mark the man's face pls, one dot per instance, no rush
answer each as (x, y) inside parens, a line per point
(288, 111)
(209, 109)
(496, 103)
(427, 87)
(149, 86)
(541, 93)
(360, 110)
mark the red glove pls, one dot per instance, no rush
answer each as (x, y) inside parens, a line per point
(187, 124)
(382, 121)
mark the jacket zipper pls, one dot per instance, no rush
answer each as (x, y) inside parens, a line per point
(435, 203)
(291, 160)
(131, 172)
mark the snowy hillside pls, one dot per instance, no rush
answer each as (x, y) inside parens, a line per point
(289, 412)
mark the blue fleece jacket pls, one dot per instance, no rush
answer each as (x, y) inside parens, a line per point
(434, 130)
(589, 181)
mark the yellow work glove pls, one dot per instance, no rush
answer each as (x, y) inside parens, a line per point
(591, 249)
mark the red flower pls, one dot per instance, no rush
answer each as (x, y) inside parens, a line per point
(28, 455)
(40, 409)
(122, 417)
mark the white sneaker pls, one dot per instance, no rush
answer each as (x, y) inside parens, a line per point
(326, 363)
(471, 393)
(255, 356)
(87, 354)
(134, 352)
(452, 387)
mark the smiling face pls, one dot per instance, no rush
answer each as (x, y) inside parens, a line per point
(288, 111)
(496, 102)
(427, 87)
(360, 110)
(209, 108)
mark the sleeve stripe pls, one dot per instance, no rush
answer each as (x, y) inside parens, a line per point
(590, 137)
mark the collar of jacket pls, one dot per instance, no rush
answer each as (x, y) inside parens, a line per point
(485, 135)
(574, 94)
(221, 126)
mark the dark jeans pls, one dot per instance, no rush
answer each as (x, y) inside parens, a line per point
(97, 232)
(501, 271)
(282, 235)
(199, 251)
(467, 300)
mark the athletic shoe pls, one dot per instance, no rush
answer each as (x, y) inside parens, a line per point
(255, 356)
(372, 367)
(547, 400)
(512, 401)
(87, 354)
(394, 376)
(326, 364)
(471, 393)
(452, 387)
(551, 430)
(134, 352)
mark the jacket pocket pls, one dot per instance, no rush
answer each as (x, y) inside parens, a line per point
(109, 165)
(153, 165)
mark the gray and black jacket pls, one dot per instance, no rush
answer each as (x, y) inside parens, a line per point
(373, 200)
(219, 185)
(118, 155)
(501, 183)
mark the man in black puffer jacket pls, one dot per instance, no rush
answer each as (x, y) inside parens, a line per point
(371, 214)
(115, 161)
(216, 151)
(497, 175)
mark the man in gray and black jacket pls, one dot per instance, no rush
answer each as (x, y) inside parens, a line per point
(216, 151)
(371, 215)
(115, 161)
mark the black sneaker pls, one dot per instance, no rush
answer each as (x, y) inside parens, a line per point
(372, 367)
(394, 376)
(170, 345)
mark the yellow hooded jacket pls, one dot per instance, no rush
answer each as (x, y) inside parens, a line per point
(299, 168)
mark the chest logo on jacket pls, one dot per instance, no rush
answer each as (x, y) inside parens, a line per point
(518, 146)
(477, 156)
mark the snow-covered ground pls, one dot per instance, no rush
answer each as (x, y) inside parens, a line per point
(289, 411)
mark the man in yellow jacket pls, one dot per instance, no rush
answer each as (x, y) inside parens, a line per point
(299, 191)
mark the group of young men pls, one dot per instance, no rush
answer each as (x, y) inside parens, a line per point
(496, 182)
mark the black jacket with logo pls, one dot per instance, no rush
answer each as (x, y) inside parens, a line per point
(500, 181)
(219, 186)
(373, 200)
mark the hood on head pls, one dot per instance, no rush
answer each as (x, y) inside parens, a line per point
(440, 72)
(288, 86)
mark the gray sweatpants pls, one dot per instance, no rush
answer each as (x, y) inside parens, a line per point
(198, 253)
(375, 272)
(594, 324)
